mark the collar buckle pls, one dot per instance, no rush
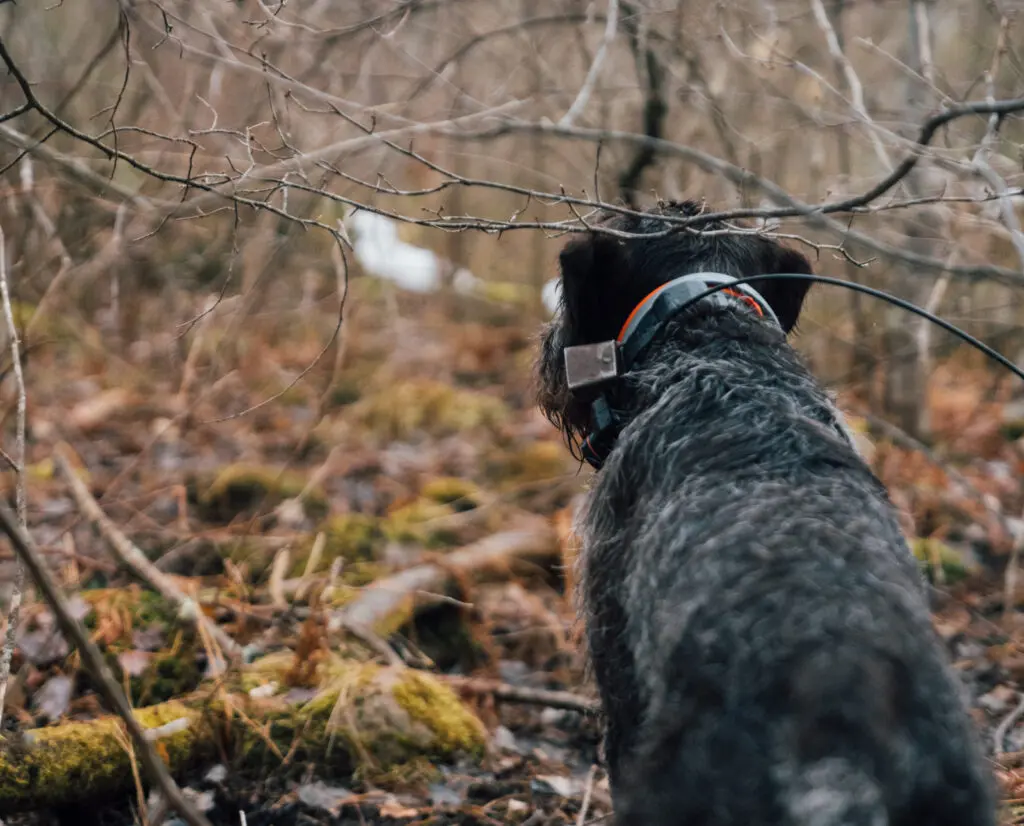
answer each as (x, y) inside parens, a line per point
(590, 364)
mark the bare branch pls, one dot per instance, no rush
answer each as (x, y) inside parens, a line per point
(652, 77)
(587, 89)
(815, 215)
(852, 80)
(93, 660)
(1007, 212)
(18, 460)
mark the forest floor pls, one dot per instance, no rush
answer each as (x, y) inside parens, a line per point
(420, 442)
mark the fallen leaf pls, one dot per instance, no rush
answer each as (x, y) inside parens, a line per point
(562, 786)
(321, 796)
(149, 639)
(134, 662)
(443, 796)
(97, 409)
(53, 699)
(42, 646)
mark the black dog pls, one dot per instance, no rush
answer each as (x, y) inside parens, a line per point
(756, 623)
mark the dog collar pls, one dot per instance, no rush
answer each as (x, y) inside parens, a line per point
(606, 361)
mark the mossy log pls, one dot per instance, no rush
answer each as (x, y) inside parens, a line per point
(365, 719)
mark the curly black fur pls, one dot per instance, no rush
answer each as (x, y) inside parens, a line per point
(757, 626)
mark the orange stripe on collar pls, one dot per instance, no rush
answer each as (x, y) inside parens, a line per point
(746, 299)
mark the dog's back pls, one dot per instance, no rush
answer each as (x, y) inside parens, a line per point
(783, 650)
(756, 623)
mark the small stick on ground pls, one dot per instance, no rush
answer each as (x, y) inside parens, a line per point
(1007, 723)
(391, 596)
(587, 793)
(135, 560)
(94, 662)
(1010, 582)
(374, 642)
(17, 462)
(527, 696)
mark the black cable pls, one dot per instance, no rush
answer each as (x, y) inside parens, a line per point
(892, 299)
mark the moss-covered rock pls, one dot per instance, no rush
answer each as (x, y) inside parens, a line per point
(386, 717)
(411, 523)
(360, 539)
(461, 494)
(404, 408)
(533, 462)
(355, 537)
(243, 488)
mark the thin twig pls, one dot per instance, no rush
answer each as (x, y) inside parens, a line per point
(18, 461)
(853, 81)
(527, 696)
(93, 660)
(1012, 570)
(1007, 212)
(588, 792)
(790, 206)
(1008, 722)
(590, 81)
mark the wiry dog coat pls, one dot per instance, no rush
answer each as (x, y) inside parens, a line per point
(757, 626)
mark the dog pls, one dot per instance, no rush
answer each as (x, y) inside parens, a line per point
(756, 624)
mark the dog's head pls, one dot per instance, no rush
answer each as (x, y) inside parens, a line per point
(604, 278)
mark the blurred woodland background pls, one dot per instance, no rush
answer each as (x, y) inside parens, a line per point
(273, 275)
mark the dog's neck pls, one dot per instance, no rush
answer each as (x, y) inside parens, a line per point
(679, 342)
(607, 363)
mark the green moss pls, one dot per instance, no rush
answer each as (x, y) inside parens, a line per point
(397, 618)
(438, 708)
(416, 774)
(1013, 430)
(343, 393)
(269, 668)
(534, 462)
(405, 524)
(136, 608)
(926, 550)
(80, 761)
(169, 675)
(241, 488)
(507, 292)
(150, 608)
(385, 720)
(354, 537)
(449, 490)
(416, 406)
(388, 718)
(374, 721)
(22, 313)
(360, 539)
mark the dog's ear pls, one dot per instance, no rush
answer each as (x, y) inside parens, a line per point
(785, 295)
(594, 273)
